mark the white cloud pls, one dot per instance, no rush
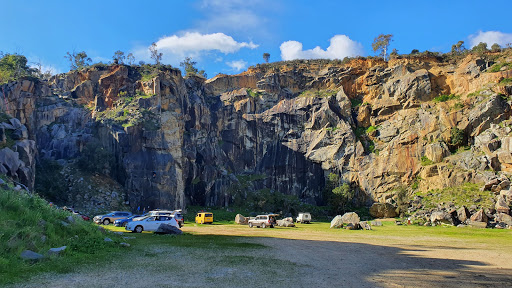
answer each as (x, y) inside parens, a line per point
(341, 46)
(490, 37)
(193, 43)
(237, 65)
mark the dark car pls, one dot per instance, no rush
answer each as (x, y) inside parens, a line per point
(123, 222)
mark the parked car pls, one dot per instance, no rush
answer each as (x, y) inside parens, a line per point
(304, 217)
(174, 213)
(111, 217)
(150, 223)
(204, 217)
(263, 221)
(123, 222)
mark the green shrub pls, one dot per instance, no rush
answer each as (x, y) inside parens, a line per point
(425, 161)
(457, 137)
(371, 129)
(497, 67)
(444, 98)
(506, 81)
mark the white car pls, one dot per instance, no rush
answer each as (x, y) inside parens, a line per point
(151, 223)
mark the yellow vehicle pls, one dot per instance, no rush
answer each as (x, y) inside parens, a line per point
(204, 217)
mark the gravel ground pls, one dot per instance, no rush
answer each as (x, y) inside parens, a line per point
(314, 259)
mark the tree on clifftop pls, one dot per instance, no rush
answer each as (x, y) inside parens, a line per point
(13, 66)
(381, 43)
(78, 60)
(266, 56)
(130, 58)
(458, 48)
(155, 55)
(190, 68)
(118, 57)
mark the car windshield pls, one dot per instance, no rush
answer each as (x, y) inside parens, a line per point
(110, 214)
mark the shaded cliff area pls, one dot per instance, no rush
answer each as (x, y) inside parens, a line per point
(145, 136)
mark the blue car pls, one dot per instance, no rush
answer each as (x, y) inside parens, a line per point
(123, 222)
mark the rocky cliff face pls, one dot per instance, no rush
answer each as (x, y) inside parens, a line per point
(284, 127)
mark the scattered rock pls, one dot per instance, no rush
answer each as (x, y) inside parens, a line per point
(65, 224)
(129, 237)
(376, 223)
(124, 244)
(30, 255)
(119, 233)
(168, 229)
(479, 217)
(365, 225)
(383, 210)
(102, 229)
(463, 214)
(352, 226)
(491, 183)
(477, 224)
(56, 251)
(108, 239)
(502, 205)
(503, 218)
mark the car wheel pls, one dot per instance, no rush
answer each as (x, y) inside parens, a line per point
(263, 225)
(138, 229)
(106, 221)
(250, 225)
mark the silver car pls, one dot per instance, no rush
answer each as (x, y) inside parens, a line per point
(263, 221)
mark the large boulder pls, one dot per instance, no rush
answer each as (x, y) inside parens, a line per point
(383, 210)
(336, 222)
(168, 229)
(285, 223)
(241, 220)
(350, 217)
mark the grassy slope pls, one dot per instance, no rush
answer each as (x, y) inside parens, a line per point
(28, 222)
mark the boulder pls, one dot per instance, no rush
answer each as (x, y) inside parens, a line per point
(336, 222)
(376, 223)
(285, 223)
(30, 255)
(383, 210)
(70, 219)
(350, 217)
(56, 251)
(463, 214)
(168, 229)
(440, 217)
(502, 205)
(240, 219)
(479, 216)
(108, 239)
(289, 219)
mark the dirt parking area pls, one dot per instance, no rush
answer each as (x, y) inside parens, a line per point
(308, 256)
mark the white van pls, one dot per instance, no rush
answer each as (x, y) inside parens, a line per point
(304, 217)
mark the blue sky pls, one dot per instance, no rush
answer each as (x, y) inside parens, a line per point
(227, 36)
